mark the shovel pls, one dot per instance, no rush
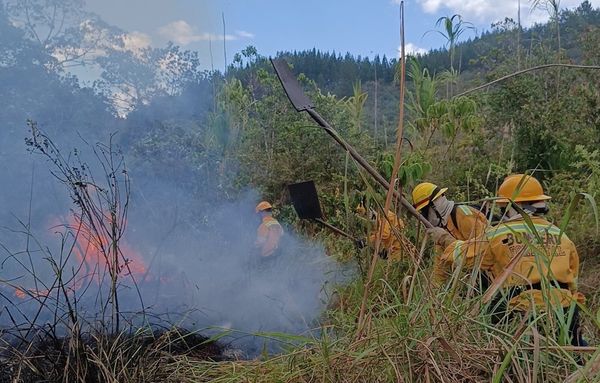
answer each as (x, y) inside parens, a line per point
(303, 104)
(306, 203)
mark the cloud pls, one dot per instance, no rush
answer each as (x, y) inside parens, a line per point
(244, 34)
(412, 50)
(474, 10)
(487, 11)
(136, 41)
(182, 33)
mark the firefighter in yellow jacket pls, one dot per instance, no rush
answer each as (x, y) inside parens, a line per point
(547, 263)
(388, 228)
(460, 221)
(269, 232)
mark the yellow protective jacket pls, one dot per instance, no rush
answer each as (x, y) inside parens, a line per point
(555, 259)
(466, 222)
(268, 235)
(389, 240)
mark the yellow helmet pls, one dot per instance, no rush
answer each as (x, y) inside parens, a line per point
(424, 193)
(264, 205)
(521, 188)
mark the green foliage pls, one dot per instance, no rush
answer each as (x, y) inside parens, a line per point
(588, 163)
(424, 90)
(413, 168)
(241, 132)
(460, 116)
(546, 127)
(584, 176)
(447, 117)
(279, 146)
(355, 106)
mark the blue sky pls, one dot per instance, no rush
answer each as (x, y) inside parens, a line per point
(361, 27)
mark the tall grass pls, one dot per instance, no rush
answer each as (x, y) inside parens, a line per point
(430, 339)
(411, 332)
(423, 334)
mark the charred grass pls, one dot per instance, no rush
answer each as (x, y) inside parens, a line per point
(139, 356)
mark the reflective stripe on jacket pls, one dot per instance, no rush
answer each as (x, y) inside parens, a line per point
(555, 258)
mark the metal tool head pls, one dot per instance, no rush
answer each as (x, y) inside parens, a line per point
(305, 200)
(291, 86)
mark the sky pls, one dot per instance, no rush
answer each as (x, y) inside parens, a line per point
(361, 27)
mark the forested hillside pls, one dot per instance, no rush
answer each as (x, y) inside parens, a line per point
(546, 120)
(495, 52)
(186, 153)
(503, 43)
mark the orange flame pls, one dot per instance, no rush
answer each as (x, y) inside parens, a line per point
(95, 255)
(93, 249)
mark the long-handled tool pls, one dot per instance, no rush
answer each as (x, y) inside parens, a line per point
(303, 104)
(306, 203)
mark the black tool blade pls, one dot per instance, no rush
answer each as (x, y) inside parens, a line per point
(291, 86)
(305, 200)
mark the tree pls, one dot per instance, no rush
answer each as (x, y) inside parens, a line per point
(132, 78)
(64, 30)
(46, 21)
(15, 49)
(423, 93)
(453, 27)
(355, 106)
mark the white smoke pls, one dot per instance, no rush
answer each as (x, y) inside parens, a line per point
(202, 269)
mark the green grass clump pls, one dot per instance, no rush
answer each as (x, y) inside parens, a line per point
(433, 335)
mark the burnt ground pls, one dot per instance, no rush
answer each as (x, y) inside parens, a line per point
(59, 359)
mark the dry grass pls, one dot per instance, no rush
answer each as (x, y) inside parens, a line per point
(433, 336)
(97, 357)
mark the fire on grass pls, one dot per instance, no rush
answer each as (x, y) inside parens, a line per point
(54, 333)
(95, 255)
(38, 352)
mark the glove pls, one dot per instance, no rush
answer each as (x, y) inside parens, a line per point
(360, 243)
(440, 236)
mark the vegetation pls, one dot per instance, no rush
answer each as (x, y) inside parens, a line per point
(218, 134)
